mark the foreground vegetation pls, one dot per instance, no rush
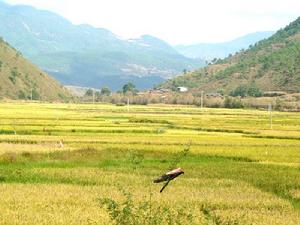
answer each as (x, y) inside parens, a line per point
(94, 164)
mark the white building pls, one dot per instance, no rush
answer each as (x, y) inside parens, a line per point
(182, 89)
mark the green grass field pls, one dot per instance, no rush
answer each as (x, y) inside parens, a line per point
(237, 170)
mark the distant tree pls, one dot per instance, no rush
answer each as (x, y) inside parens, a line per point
(105, 91)
(240, 91)
(89, 92)
(129, 88)
(184, 71)
(247, 90)
(233, 103)
(13, 75)
(254, 91)
(97, 94)
(35, 94)
(22, 95)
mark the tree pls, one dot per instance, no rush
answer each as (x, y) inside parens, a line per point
(35, 94)
(129, 88)
(247, 90)
(254, 91)
(22, 95)
(233, 103)
(105, 91)
(89, 92)
(97, 94)
(240, 91)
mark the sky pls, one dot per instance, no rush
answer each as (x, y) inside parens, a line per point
(176, 21)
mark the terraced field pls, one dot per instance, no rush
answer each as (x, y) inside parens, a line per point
(94, 164)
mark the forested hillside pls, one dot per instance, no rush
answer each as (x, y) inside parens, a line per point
(269, 65)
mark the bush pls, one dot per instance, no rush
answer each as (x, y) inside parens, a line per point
(144, 212)
(22, 95)
(233, 103)
(239, 91)
(247, 90)
(254, 91)
(13, 75)
(35, 94)
(89, 92)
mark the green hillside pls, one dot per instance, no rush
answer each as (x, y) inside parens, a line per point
(270, 65)
(19, 79)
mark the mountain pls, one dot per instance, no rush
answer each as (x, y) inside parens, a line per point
(20, 79)
(272, 64)
(82, 55)
(221, 50)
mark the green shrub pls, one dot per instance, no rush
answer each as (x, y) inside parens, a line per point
(144, 212)
(89, 92)
(233, 103)
(22, 95)
(35, 94)
(247, 90)
(13, 75)
(253, 90)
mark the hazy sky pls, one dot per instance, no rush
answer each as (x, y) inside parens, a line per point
(176, 21)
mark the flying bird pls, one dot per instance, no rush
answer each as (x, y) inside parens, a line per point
(168, 177)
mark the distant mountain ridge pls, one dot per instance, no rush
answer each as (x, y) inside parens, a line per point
(86, 56)
(207, 51)
(20, 79)
(272, 64)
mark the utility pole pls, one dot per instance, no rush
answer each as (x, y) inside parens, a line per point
(202, 93)
(128, 104)
(31, 91)
(270, 112)
(93, 96)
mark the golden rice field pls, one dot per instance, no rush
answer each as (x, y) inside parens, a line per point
(94, 164)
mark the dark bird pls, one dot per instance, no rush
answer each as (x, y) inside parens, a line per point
(168, 177)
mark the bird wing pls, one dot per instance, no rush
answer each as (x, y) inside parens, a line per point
(162, 178)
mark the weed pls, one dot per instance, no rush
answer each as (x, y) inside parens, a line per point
(129, 212)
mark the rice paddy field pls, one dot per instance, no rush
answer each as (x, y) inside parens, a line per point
(95, 164)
